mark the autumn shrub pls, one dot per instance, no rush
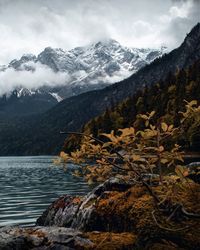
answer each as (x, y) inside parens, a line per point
(133, 153)
(139, 155)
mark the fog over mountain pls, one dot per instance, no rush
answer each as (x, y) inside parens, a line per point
(60, 73)
(42, 75)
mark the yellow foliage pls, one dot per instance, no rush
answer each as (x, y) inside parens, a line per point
(129, 152)
(164, 126)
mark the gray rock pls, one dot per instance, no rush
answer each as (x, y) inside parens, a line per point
(60, 212)
(82, 215)
(57, 238)
(194, 171)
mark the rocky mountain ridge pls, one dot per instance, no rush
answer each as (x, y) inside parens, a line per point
(106, 56)
(80, 70)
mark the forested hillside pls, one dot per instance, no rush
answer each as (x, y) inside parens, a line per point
(40, 134)
(165, 97)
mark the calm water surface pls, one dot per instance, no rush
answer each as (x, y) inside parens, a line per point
(29, 184)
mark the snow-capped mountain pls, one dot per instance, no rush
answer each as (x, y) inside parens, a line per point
(76, 71)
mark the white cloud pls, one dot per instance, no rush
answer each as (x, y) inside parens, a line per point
(27, 26)
(182, 11)
(42, 76)
(178, 21)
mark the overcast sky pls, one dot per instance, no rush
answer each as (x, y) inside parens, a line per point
(28, 26)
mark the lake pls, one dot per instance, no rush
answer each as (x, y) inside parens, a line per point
(29, 184)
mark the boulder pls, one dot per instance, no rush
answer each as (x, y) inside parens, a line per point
(118, 206)
(59, 238)
(194, 171)
(56, 238)
(78, 212)
(61, 212)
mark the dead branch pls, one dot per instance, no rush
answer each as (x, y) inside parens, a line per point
(166, 228)
(156, 199)
(189, 215)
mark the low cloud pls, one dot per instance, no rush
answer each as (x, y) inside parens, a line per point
(11, 79)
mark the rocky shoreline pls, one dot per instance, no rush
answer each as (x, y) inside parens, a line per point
(114, 215)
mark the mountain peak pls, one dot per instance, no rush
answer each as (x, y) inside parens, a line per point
(193, 37)
(50, 50)
(107, 43)
(16, 64)
(195, 30)
(28, 56)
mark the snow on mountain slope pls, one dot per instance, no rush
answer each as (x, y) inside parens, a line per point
(92, 64)
(73, 72)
